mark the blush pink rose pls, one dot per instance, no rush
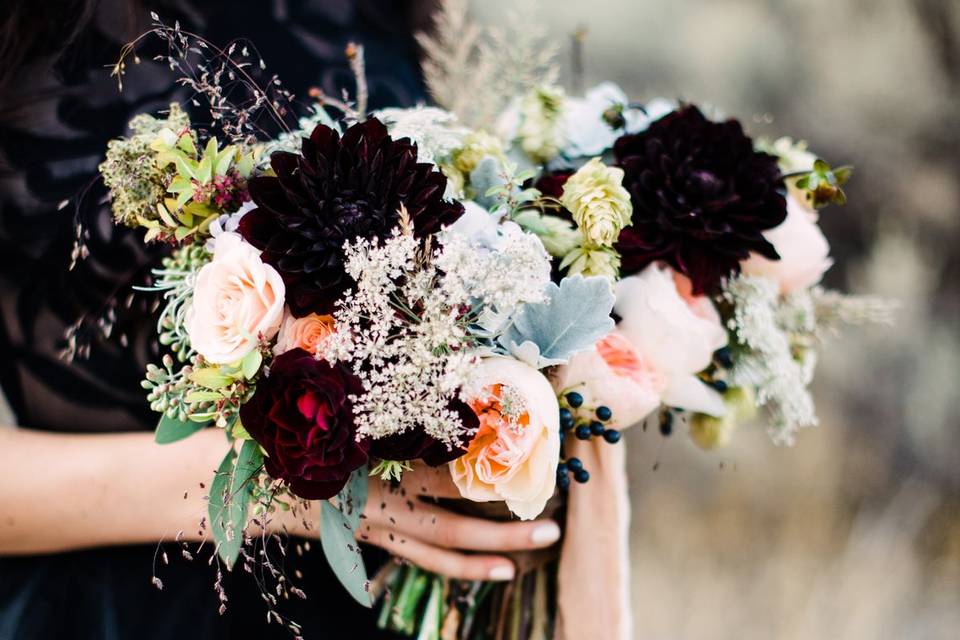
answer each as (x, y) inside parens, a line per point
(804, 251)
(514, 454)
(303, 333)
(237, 301)
(665, 337)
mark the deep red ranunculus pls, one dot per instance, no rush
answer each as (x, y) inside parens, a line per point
(301, 415)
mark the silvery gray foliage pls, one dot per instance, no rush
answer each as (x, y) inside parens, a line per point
(575, 316)
(485, 177)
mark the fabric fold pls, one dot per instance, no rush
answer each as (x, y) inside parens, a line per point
(593, 590)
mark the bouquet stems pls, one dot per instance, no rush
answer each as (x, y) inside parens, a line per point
(427, 606)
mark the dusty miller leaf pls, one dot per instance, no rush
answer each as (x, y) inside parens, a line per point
(575, 315)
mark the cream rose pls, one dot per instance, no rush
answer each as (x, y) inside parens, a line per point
(513, 456)
(305, 333)
(663, 340)
(804, 251)
(237, 301)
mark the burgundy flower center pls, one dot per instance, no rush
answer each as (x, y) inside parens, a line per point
(706, 183)
(315, 411)
(355, 216)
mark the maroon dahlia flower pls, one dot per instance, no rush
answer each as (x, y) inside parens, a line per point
(418, 445)
(702, 197)
(338, 189)
(300, 414)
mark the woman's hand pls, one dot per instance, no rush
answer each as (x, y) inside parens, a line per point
(404, 522)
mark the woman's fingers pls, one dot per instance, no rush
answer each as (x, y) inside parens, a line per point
(448, 563)
(437, 526)
(430, 481)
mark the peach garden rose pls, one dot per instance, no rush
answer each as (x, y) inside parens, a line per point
(514, 454)
(303, 333)
(237, 301)
(665, 337)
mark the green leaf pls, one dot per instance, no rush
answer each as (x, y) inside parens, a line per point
(251, 364)
(337, 527)
(244, 166)
(186, 144)
(203, 396)
(239, 432)
(164, 213)
(224, 160)
(230, 494)
(185, 167)
(171, 429)
(210, 377)
(843, 174)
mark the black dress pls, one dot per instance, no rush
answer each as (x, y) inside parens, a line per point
(73, 342)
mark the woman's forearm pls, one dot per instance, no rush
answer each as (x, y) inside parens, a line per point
(64, 491)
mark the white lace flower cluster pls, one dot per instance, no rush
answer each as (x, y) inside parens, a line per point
(405, 328)
(407, 345)
(777, 361)
(498, 264)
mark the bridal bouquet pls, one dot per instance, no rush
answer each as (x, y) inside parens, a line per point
(485, 285)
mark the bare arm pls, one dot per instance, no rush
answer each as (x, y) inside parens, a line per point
(65, 491)
(62, 491)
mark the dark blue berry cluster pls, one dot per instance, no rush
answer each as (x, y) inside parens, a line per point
(583, 427)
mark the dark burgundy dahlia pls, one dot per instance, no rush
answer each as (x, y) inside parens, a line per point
(302, 417)
(338, 189)
(419, 445)
(702, 197)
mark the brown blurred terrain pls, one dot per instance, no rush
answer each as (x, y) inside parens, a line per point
(853, 533)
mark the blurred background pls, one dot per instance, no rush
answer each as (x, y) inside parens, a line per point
(854, 532)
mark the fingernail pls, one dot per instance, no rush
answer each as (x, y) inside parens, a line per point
(545, 533)
(502, 572)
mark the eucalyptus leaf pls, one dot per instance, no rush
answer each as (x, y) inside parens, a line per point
(251, 364)
(210, 377)
(230, 494)
(203, 396)
(337, 527)
(575, 316)
(173, 429)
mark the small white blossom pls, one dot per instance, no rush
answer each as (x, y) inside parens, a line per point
(407, 344)
(781, 377)
(494, 262)
(408, 329)
(435, 131)
(227, 223)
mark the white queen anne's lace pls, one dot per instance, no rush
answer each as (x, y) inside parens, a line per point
(404, 329)
(781, 374)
